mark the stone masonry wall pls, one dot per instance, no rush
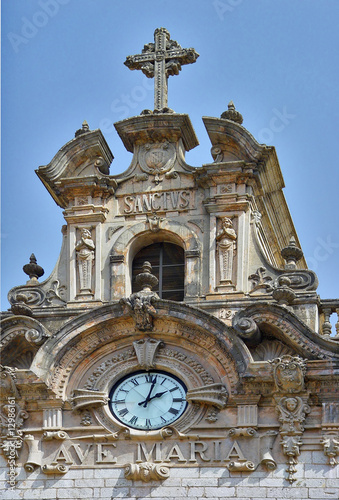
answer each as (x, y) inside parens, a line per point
(314, 480)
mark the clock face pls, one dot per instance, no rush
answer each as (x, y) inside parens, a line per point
(148, 400)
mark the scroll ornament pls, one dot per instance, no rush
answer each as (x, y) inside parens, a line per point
(146, 472)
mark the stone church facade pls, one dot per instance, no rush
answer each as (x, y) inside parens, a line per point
(179, 348)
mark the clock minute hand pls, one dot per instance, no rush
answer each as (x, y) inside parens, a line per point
(144, 403)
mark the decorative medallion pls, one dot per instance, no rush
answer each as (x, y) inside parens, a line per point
(156, 159)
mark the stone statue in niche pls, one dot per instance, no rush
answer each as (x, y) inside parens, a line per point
(226, 240)
(85, 256)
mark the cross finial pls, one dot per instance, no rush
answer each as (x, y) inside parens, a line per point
(159, 60)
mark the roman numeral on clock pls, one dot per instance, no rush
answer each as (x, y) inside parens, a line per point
(148, 422)
(173, 411)
(134, 381)
(150, 379)
(118, 401)
(123, 412)
(133, 420)
(177, 400)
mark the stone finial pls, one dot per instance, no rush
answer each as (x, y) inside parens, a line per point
(232, 114)
(291, 254)
(33, 270)
(83, 129)
(146, 279)
(140, 304)
(283, 294)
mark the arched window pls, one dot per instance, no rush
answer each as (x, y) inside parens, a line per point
(168, 265)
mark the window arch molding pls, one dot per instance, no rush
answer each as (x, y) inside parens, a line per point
(131, 240)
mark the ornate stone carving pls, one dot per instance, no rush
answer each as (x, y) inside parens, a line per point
(242, 431)
(247, 328)
(232, 114)
(102, 165)
(246, 466)
(33, 270)
(145, 350)
(212, 415)
(84, 128)
(256, 217)
(260, 281)
(56, 293)
(225, 314)
(247, 415)
(154, 223)
(291, 254)
(50, 435)
(36, 337)
(292, 413)
(214, 394)
(86, 418)
(34, 454)
(157, 159)
(54, 469)
(283, 293)
(84, 398)
(52, 418)
(140, 304)
(330, 427)
(289, 372)
(270, 349)
(12, 415)
(161, 59)
(291, 448)
(8, 382)
(85, 257)
(266, 444)
(226, 240)
(20, 307)
(330, 442)
(146, 472)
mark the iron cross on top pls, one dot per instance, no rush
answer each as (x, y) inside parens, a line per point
(159, 60)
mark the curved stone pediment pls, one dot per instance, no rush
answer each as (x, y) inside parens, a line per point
(270, 320)
(86, 341)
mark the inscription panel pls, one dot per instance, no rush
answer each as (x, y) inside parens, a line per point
(156, 202)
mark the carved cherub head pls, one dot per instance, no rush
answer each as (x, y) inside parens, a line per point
(291, 404)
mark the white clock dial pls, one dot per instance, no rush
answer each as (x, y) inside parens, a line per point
(148, 400)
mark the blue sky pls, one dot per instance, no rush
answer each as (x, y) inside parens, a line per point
(62, 62)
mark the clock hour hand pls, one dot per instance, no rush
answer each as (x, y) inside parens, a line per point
(157, 395)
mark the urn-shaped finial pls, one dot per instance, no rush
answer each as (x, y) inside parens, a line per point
(146, 279)
(291, 254)
(232, 114)
(83, 129)
(33, 270)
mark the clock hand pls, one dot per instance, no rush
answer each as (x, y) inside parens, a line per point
(157, 395)
(144, 403)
